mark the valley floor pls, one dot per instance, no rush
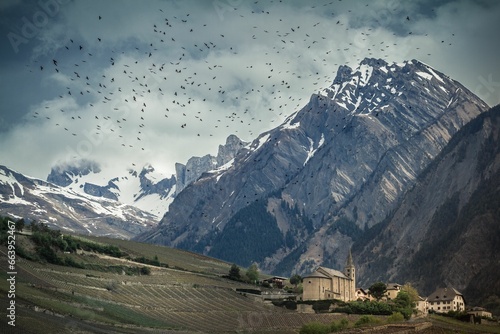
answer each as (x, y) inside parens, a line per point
(188, 296)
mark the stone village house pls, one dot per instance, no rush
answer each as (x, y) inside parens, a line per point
(446, 299)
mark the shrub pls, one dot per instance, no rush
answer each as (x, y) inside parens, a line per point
(395, 317)
(288, 304)
(111, 285)
(145, 271)
(341, 325)
(234, 273)
(315, 328)
(366, 320)
(322, 305)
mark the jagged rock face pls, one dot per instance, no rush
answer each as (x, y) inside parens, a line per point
(446, 230)
(341, 163)
(60, 175)
(145, 189)
(196, 166)
(101, 191)
(64, 209)
(148, 186)
(228, 151)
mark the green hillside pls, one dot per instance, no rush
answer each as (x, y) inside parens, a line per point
(100, 285)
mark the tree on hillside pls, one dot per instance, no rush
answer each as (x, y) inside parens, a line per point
(20, 225)
(253, 273)
(403, 300)
(295, 280)
(404, 304)
(412, 292)
(234, 273)
(378, 290)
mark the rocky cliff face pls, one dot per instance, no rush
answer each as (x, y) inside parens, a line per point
(329, 173)
(446, 230)
(196, 166)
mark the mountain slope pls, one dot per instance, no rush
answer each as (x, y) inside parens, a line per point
(447, 229)
(34, 199)
(332, 170)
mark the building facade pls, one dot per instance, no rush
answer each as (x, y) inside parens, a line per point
(326, 283)
(422, 306)
(480, 312)
(392, 290)
(444, 300)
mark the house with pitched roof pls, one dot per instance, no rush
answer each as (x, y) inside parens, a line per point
(326, 283)
(392, 290)
(446, 299)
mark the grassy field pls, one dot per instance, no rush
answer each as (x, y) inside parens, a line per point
(173, 257)
(450, 325)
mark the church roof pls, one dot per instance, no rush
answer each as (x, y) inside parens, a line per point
(327, 273)
(317, 273)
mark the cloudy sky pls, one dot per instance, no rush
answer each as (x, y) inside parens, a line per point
(127, 83)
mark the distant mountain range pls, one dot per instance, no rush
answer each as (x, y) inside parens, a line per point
(145, 188)
(44, 202)
(83, 198)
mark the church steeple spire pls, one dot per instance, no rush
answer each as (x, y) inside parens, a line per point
(349, 262)
(350, 272)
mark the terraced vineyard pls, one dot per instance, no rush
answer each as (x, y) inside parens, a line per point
(175, 258)
(192, 299)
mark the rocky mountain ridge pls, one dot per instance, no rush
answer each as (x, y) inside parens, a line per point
(330, 172)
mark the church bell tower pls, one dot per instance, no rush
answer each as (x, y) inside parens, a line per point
(350, 272)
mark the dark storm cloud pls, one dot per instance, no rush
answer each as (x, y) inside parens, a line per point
(228, 66)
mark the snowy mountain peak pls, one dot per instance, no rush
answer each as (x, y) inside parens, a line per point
(376, 88)
(144, 188)
(64, 175)
(68, 210)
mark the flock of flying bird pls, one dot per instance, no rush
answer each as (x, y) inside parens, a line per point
(138, 83)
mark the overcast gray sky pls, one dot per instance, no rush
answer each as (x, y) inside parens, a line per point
(132, 82)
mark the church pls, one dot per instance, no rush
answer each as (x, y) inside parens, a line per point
(326, 283)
